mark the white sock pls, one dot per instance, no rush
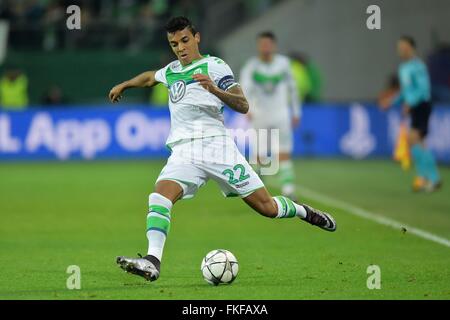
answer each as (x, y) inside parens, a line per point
(301, 211)
(288, 208)
(158, 224)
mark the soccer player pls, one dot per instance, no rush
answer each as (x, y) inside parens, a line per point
(270, 87)
(199, 87)
(415, 98)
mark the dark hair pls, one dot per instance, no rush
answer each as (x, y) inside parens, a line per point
(267, 34)
(179, 23)
(410, 40)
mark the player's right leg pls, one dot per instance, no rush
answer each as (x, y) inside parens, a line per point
(428, 178)
(166, 193)
(283, 207)
(427, 175)
(179, 178)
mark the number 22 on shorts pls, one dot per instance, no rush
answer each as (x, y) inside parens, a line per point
(231, 173)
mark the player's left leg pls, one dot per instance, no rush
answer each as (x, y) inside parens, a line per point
(282, 207)
(236, 177)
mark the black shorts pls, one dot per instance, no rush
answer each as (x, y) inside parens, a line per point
(419, 118)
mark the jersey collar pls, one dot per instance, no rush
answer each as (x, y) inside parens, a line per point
(194, 61)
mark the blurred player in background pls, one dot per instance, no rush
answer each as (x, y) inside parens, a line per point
(199, 87)
(415, 98)
(270, 87)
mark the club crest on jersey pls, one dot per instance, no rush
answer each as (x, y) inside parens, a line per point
(177, 91)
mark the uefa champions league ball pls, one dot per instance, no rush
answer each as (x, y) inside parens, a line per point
(219, 266)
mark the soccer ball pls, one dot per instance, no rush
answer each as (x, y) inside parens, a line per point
(219, 266)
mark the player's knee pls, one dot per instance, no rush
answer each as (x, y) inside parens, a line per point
(169, 189)
(156, 198)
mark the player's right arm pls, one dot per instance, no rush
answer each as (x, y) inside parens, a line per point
(145, 79)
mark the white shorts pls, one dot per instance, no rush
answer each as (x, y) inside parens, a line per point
(194, 162)
(284, 126)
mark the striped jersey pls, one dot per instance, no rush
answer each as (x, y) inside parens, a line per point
(195, 112)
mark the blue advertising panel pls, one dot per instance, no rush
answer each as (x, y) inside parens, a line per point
(354, 130)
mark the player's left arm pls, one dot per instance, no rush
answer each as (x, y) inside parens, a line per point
(232, 97)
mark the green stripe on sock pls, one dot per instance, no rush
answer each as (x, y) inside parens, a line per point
(284, 204)
(160, 209)
(292, 210)
(158, 223)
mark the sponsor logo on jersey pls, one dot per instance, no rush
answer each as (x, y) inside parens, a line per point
(177, 91)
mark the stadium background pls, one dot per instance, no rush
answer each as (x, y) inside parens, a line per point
(66, 116)
(119, 39)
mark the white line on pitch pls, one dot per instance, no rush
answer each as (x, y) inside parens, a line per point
(371, 216)
(316, 196)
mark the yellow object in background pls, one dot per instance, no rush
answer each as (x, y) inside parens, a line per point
(401, 152)
(301, 77)
(159, 96)
(14, 92)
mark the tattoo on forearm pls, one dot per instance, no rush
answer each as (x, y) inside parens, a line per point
(234, 98)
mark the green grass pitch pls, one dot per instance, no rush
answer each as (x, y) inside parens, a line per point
(86, 213)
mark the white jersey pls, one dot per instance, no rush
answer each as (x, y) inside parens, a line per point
(195, 112)
(270, 89)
